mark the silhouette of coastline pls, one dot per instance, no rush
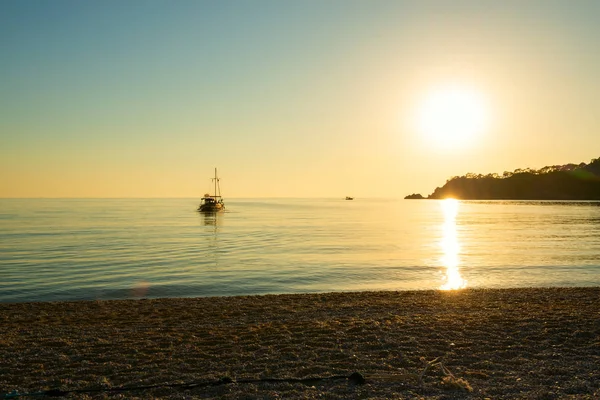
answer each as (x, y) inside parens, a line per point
(555, 182)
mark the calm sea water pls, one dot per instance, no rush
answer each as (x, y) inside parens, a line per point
(75, 249)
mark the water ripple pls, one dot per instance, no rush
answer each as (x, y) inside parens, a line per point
(105, 249)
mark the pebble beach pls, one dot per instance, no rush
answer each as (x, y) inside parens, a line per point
(532, 343)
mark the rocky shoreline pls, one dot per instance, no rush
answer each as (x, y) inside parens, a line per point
(476, 343)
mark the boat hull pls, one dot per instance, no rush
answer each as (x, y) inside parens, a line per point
(210, 207)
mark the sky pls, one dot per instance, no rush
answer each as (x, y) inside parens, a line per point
(299, 98)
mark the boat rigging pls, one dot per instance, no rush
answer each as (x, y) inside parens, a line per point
(212, 203)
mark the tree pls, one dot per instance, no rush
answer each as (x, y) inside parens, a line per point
(557, 182)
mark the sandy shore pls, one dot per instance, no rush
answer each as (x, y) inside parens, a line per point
(514, 343)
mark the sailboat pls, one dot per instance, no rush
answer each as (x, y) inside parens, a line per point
(212, 203)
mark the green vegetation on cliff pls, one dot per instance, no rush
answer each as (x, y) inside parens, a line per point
(556, 182)
(416, 196)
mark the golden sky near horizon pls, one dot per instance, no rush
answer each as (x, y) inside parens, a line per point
(291, 99)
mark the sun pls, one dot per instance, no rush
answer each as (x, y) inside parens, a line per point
(452, 117)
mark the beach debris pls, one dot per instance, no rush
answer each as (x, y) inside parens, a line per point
(453, 383)
(357, 378)
(449, 381)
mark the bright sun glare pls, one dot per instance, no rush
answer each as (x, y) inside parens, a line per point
(452, 117)
(451, 247)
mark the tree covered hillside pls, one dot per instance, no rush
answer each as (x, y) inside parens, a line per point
(556, 182)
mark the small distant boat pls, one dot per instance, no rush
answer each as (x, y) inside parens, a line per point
(212, 203)
(349, 198)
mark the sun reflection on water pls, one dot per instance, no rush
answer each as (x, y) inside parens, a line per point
(450, 246)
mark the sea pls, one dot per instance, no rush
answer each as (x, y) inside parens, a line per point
(100, 249)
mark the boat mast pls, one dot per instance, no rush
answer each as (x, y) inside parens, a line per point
(216, 180)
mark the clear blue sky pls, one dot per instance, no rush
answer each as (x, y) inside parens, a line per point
(286, 98)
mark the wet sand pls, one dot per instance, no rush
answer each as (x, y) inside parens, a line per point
(497, 344)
